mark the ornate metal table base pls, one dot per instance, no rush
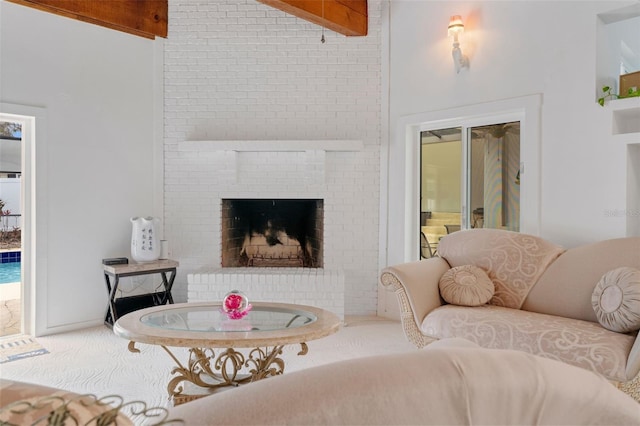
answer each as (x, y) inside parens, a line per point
(209, 371)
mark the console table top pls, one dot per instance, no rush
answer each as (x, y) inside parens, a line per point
(141, 267)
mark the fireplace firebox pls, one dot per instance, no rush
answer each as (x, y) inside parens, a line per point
(272, 233)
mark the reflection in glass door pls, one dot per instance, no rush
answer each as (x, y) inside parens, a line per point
(440, 186)
(494, 176)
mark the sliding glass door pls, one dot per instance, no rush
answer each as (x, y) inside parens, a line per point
(469, 178)
(494, 176)
(440, 186)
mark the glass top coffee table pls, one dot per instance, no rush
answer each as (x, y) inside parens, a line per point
(212, 338)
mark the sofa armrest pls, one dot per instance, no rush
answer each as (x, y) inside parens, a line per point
(416, 287)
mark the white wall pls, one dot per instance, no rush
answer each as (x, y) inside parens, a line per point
(100, 91)
(516, 49)
(240, 70)
(237, 69)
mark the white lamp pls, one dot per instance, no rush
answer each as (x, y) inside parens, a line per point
(456, 27)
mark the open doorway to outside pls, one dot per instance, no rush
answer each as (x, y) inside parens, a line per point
(10, 226)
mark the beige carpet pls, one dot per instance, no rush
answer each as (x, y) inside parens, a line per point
(96, 361)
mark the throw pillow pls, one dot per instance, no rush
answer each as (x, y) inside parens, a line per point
(616, 300)
(466, 285)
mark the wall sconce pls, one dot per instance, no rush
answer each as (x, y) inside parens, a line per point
(456, 27)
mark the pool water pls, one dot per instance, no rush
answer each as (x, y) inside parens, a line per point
(10, 272)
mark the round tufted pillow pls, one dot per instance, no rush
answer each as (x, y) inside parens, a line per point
(466, 285)
(616, 300)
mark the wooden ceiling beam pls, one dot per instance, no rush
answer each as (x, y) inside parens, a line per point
(145, 18)
(348, 17)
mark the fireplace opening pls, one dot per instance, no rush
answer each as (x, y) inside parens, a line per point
(272, 233)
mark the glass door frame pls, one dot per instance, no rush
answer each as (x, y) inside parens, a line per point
(466, 127)
(526, 109)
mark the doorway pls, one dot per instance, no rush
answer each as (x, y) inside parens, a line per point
(33, 162)
(11, 207)
(469, 178)
(400, 221)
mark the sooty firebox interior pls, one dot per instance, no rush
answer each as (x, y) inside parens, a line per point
(272, 233)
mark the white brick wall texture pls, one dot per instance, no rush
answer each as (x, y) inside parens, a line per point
(302, 286)
(241, 70)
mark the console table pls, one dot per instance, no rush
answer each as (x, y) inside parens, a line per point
(119, 306)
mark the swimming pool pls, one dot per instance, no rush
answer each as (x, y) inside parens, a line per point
(10, 272)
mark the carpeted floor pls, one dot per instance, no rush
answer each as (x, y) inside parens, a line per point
(96, 361)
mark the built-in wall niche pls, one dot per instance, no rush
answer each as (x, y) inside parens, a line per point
(618, 46)
(618, 53)
(625, 117)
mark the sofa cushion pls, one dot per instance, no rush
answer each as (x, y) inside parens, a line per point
(514, 261)
(566, 287)
(446, 385)
(581, 343)
(466, 285)
(616, 300)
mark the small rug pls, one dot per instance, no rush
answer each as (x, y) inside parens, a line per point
(19, 347)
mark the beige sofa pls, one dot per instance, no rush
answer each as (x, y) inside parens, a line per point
(451, 382)
(542, 301)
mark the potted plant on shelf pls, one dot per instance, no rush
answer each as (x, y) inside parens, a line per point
(607, 94)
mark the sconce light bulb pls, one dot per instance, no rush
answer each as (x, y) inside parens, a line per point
(456, 26)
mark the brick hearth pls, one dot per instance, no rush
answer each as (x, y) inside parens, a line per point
(304, 286)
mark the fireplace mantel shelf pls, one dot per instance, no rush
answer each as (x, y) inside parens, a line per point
(273, 145)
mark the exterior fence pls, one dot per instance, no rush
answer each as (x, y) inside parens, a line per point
(10, 222)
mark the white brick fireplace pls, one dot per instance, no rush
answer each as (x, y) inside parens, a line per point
(266, 170)
(274, 113)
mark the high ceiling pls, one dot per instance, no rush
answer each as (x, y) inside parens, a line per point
(149, 18)
(145, 18)
(348, 17)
